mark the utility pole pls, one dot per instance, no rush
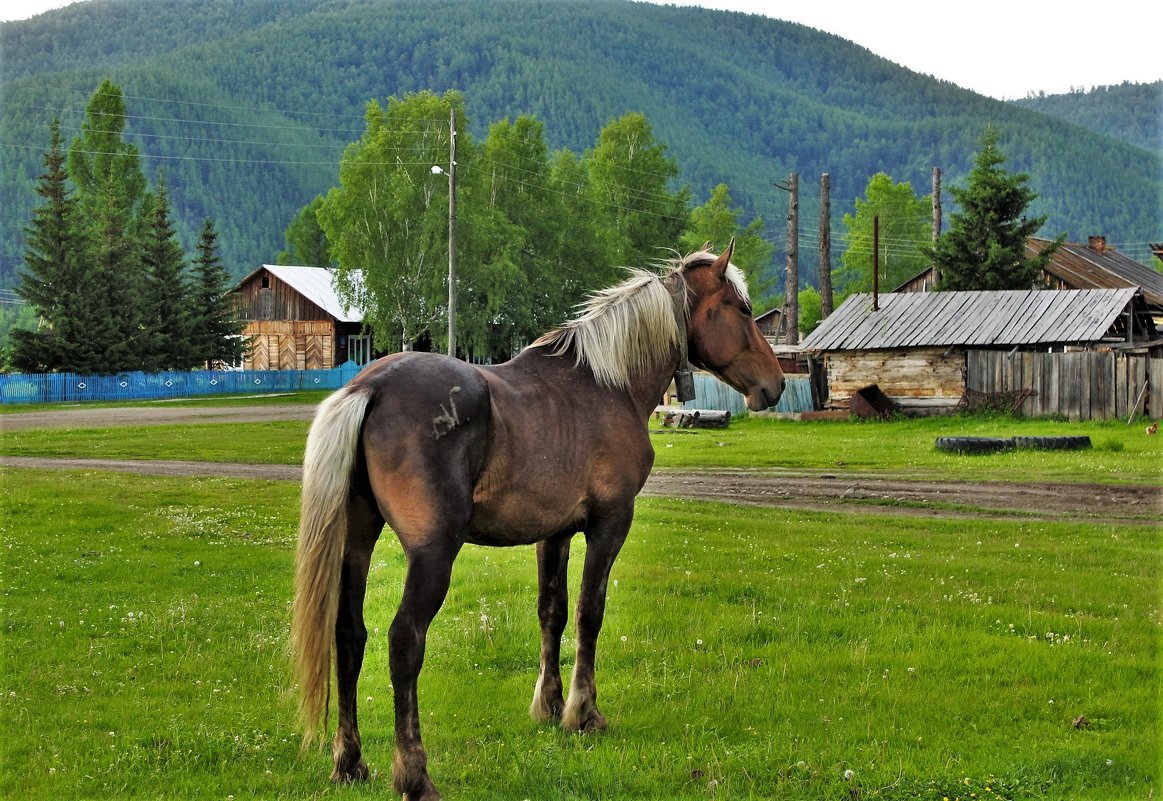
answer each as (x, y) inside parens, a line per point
(876, 263)
(452, 234)
(936, 197)
(825, 246)
(791, 303)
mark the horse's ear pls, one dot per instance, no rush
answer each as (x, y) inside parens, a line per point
(721, 263)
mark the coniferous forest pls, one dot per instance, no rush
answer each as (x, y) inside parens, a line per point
(246, 107)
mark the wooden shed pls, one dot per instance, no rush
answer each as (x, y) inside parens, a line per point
(296, 320)
(915, 345)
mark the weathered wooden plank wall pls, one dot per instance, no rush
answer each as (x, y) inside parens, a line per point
(917, 379)
(290, 345)
(1090, 385)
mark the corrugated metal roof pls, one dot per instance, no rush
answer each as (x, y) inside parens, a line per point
(317, 285)
(971, 319)
(1081, 266)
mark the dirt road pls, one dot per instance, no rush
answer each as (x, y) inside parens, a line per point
(789, 489)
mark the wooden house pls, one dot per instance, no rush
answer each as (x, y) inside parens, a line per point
(770, 323)
(1094, 265)
(295, 320)
(915, 346)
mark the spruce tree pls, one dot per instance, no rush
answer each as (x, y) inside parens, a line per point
(117, 331)
(165, 303)
(985, 246)
(111, 190)
(214, 327)
(52, 257)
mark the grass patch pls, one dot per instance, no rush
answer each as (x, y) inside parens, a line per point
(276, 442)
(1121, 453)
(747, 653)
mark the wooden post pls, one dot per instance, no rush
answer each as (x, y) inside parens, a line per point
(792, 301)
(876, 263)
(452, 234)
(825, 247)
(936, 198)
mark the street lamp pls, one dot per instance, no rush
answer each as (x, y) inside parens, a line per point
(438, 170)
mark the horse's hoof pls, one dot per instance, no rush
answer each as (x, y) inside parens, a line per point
(352, 774)
(595, 722)
(592, 721)
(427, 793)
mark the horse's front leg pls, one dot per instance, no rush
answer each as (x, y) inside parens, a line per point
(604, 539)
(426, 585)
(552, 612)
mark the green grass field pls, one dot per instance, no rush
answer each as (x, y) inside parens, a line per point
(747, 653)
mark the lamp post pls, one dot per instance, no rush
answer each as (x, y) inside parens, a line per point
(438, 170)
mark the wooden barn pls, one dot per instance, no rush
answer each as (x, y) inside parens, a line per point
(917, 346)
(296, 321)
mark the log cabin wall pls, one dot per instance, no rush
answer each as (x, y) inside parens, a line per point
(918, 381)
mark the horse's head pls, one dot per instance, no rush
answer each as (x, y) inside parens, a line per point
(722, 334)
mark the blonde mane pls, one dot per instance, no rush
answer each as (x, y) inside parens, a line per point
(624, 330)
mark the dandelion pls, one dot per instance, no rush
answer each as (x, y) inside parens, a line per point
(849, 775)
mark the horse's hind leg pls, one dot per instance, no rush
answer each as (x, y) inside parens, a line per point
(604, 539)
(364, 525)
(552, 612)
(429, 573)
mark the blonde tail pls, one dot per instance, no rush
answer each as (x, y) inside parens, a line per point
(332, 446)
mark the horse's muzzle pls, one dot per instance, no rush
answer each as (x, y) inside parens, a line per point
(764, 397)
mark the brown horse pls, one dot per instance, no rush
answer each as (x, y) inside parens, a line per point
(535, 450)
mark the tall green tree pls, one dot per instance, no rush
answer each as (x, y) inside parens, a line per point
(388, 218)
(511, 288)
(904, 231)
(586, 239)
(117, 334)
(111, 191)
(102, 164)
(630, 174)
(985, 246)
(717, 222)
(57, 279)
(165, 339)
(215, 330)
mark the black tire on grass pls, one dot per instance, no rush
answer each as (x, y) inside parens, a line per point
(975, 444)
(1073, 443)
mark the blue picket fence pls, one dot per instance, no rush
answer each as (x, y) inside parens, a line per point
(73, 388)
(711, 393)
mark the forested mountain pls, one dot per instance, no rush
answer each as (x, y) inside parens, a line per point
(1129, 112)
(247, 106)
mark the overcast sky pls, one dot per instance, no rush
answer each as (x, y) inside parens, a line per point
(1001, 48)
